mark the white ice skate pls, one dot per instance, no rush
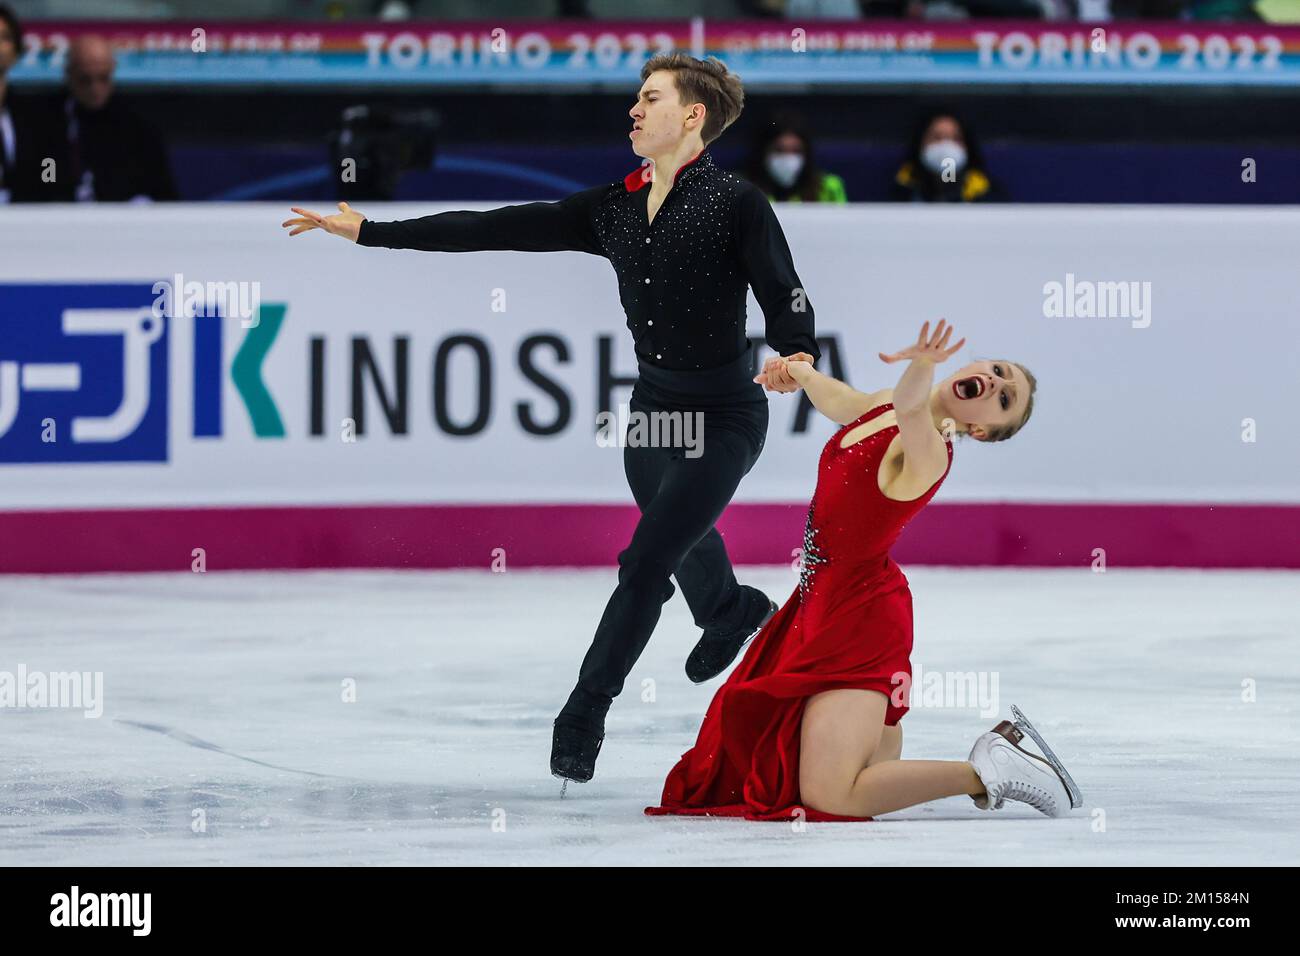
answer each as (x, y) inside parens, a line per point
(1009, 772)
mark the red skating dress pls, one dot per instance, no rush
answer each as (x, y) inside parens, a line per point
(848, 624)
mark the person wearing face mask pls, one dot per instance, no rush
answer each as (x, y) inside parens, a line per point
(782, 165)
(944, 164)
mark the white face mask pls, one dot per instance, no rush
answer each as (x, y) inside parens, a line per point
(933, 157)
(784, 168)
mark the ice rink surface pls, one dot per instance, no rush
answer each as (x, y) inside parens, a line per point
(225, 738)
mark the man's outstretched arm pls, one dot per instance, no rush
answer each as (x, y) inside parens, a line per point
(566, 225)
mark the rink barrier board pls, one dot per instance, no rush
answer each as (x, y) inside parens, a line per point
(536, 54)
(300, 408)
(576, 535)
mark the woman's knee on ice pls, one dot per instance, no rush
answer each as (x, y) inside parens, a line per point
(824, 792)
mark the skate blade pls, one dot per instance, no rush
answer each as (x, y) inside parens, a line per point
(1022, 724)
(743, 644)
(771, 613)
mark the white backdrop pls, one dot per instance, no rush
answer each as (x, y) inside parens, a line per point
(1122, 413)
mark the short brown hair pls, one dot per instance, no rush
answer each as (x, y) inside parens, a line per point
(1006, 431)
(703, 81)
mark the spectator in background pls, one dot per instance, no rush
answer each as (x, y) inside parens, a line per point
(20, 140)
(108, 153)
(11, 38)
(944, 164)
(781, 164)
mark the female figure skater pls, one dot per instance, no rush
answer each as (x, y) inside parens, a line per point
(810, 717)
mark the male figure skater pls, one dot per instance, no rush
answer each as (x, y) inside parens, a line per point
(684, 247)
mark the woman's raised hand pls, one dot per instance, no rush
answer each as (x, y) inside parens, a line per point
(345, 222)
(932, 347)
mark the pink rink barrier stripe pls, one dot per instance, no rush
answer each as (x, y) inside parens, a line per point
(465, 536)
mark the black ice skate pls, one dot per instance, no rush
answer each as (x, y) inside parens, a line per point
(573, 751)
(579, 732)
(717, 648)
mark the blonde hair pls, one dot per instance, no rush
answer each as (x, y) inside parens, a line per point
(703, 81)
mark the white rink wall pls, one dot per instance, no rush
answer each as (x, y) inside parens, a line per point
(1183, 400)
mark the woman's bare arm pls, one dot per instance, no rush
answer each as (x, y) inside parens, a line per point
(838, 401)
(925, 455)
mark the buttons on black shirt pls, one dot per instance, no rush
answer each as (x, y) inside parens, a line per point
(717, 236)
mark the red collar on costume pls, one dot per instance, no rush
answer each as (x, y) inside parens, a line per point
(640, 177)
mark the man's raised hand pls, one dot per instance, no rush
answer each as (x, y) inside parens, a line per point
(345, 223)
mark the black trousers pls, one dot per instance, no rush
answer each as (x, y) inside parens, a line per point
(681, 497)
